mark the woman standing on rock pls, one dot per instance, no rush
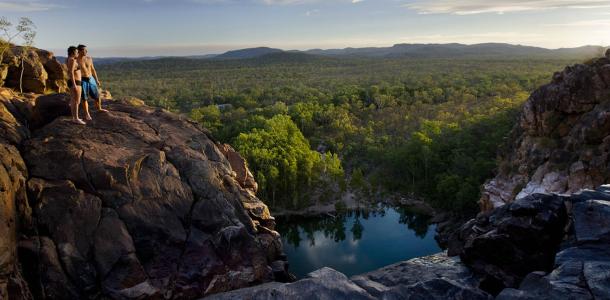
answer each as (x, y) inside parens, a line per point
(74, 83)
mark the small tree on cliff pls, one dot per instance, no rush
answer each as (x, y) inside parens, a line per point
(25, 30)
(8, 35)
(28, 42)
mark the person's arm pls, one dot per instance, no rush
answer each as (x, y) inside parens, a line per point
(72, 70)
(93, 72)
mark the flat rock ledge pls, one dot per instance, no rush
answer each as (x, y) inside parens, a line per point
(431, 277)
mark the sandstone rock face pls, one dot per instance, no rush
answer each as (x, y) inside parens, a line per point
(138, 204)
(15, 212)
(561, 143)
(432, 277)
(41, 71)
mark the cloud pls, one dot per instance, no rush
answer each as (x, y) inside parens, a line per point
(312, 13)
(475, 38)
(270, 2)
(467, 7)
(24, 6)
(585, 23)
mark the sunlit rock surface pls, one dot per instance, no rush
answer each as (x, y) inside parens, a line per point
(561, 143)
(139, 203)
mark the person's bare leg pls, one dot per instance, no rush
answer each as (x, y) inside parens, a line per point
(86, 111)
(98, 105)
(74, 107)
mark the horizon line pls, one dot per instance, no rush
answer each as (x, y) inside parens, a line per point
(230, 48)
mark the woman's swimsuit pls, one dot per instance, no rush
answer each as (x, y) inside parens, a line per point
(78, 82)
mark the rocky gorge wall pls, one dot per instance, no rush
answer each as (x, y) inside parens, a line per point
(138, 204)
(561, 143)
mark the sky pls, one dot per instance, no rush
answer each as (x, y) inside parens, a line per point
(130, 28)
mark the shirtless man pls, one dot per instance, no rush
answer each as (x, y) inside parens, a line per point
(90, 82)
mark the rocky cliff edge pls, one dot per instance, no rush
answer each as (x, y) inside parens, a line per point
(561, 143)
(139, 203)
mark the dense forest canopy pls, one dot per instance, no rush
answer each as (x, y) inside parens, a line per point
(313, 126)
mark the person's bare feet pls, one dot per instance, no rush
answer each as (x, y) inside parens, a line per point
(102, 110)
(79, 121)
(88, 118)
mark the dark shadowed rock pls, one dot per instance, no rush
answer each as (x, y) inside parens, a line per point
(592, 221)
(432, 277)
(48, 108)
(582, 268)
(325, 283)
(43, 270)
(508, 243)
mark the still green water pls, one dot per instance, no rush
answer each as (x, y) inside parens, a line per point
(355, 242)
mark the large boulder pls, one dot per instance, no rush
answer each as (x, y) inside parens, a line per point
(29, 73)
(166, 207)
(56, 71)
(561, 143)
(510, 242)
(582, 268)
(138, 204)
(41, 71)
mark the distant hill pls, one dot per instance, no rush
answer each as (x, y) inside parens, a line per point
(112, 60)
(289, 57)
(417, 51)
(248, 53)
(486, 50)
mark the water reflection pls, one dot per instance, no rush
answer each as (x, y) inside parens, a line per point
(334, 226)
(357, 241)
